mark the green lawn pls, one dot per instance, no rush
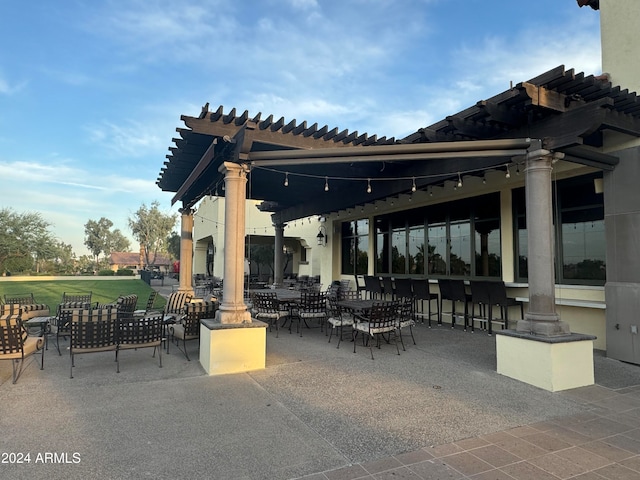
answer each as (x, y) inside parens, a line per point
(103, 291)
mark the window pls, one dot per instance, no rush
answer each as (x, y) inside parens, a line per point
(486, 225)
(582, 237)
(355, 247)
(458, 238)
(579, 232)
(382, 247)
(416, 250)
(398, 247)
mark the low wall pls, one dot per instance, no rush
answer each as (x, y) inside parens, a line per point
(28, 278)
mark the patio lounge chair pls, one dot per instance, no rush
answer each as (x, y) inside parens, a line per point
(92, 331)
(30, 308)
(60, 324)
(149, 308)
(189, 327)
(147, 332)
(77, 297)
(15, 343)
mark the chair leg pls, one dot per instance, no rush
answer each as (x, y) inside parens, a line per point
(184, 345)
(401, 340)
(453, 314)
(16, 371)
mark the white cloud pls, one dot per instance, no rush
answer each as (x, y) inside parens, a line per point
(304, 4)
(7, 88)
(131, 139)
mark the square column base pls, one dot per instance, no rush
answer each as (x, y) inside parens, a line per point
(551, 363)
(232, 348)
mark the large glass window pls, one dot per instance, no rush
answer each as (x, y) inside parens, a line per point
(579, 230)
(355, 246)
(398, 247)
(582, 233)
(437, 235)
(486, 225)
(382, 246)
(458, 238)
(416, 250)
(521, 235)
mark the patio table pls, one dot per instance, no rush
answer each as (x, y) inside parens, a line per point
(43, 323)
(357, 305)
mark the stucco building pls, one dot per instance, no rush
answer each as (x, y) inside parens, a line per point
(536, 186)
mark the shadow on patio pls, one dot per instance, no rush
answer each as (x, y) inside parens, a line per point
(438, 409)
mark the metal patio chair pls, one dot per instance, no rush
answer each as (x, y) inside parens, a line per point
(381, 319)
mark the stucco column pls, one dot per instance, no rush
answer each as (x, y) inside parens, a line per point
(186, 251)
(233, 310)
(541, 319)
(278, 255)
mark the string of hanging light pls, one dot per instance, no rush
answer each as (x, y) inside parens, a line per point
(288, 175)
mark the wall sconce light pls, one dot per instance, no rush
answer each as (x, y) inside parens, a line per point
(322, 236)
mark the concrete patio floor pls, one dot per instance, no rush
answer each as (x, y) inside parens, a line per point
(439, 410)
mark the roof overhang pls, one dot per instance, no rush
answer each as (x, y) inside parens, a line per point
(328, 170)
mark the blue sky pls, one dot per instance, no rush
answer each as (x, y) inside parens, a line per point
(91, 91)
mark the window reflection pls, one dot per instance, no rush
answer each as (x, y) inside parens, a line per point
(416, 250)
(437, 235)
(579, 232)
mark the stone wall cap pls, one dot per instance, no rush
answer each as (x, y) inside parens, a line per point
(212, 324)
(572, 337)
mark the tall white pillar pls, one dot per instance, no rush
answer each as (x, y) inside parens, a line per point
(186, 251)
(233, 310)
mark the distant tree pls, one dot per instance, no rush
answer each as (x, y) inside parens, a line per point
(100, 239)
(25, 239)
(86, 264)
(117, 242)
(173, 245)
(97, 235)
(63, 262)
(151, 228)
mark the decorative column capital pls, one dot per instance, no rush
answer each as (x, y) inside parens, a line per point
(543, 154)
(230, 169)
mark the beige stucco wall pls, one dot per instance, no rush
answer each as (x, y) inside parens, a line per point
(620, 49)
(208, 225)
(620, 42)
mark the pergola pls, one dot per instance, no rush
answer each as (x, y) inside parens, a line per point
(568, 112)
(557, 115)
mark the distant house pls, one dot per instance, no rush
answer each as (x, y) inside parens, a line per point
(136, 261)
